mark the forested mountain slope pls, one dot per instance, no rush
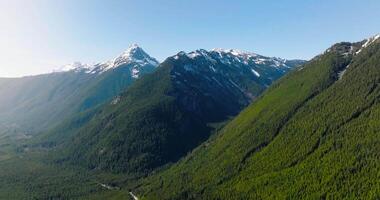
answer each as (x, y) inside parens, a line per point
(312, 135)
(32, 104)
(167, 113)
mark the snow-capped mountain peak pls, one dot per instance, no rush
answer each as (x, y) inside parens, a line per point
(248, 57)
(220, 62)
(129, 54)
(235, 57)
(134, 55)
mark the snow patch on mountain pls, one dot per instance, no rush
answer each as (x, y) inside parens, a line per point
(255, 72)
(234, 52)
(135, 72)
(341, 73)
(76, 66)
(368, 42)
(249, 57)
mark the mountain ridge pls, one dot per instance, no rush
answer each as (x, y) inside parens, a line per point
(167, 113)
(134, 54)
(46, 99)
(310, 135)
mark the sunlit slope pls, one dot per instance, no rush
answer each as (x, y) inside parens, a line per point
(311, 135)
(168, 113)
(35, 103)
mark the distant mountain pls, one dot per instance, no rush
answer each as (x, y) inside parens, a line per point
(312, 135)
(167, 113)
(134, 55)
(32, 104)
(228, 79)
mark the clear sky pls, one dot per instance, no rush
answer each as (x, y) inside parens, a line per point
(37, 36)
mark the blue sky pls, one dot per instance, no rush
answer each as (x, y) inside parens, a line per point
(37, 36)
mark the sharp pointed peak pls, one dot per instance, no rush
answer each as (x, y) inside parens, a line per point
(132, 49)
(134, 54)
(134, 46)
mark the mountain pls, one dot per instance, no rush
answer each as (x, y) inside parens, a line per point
(32, 104)
(166, 114)
(134, 56)
(312, 135)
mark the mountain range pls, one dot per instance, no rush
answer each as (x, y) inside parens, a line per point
(217, 124)
(31, 104)
(167, 113)
(312, 135)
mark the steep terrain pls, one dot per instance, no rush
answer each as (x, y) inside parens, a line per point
(32, 104)
(157, 120)
(312, 135)
(167, 113)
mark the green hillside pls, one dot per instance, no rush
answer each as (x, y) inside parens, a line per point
(310, 136)
(163, 116)
(148, 128)
(33, 104)
(110, 140)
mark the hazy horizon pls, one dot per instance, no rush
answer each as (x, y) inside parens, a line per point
(39, 36)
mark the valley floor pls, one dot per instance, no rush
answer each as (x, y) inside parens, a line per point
(25, 175)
